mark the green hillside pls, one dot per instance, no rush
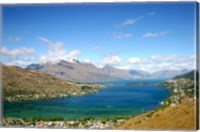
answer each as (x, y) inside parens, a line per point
(189, 75)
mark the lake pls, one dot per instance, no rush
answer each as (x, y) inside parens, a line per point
(118, 99)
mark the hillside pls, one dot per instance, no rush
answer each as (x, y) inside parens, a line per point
(180, 117)
(20, 84)
(189, 75)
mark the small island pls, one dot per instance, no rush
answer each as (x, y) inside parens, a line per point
(138, 83)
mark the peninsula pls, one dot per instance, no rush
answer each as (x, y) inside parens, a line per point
(20, 84)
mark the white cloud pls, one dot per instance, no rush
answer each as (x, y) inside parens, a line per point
(112, 60)
(17, 38)
(74, 53)
(19, 63)
(134, 60)
(156, 63)
(171, 58)
(124, 66)
(53, 46)
(121, 35)
(23, 56)
(15, 53)
(151, 35)
(71, 55)
(19, 56)
(151, 13)
(87, 61)
(56, 52)
(129, 21)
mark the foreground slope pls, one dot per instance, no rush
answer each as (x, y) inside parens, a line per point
(20, 84)
(180, 117)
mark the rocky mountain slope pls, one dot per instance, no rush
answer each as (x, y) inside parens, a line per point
(77, 72)
(85, 72)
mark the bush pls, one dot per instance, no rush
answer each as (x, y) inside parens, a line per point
(56, 118)
(85, 88)
(88, 118)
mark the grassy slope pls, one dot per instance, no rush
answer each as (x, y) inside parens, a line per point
(16, 80)
(180, 117)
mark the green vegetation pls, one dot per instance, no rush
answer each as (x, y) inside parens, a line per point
(39, 118)
(87, 122)
(189, 75)
(86, 88)
(88, 118)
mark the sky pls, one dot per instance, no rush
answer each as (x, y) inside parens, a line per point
(140, 36)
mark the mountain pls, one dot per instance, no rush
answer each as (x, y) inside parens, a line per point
(168, 73)
(73, 71)
(18, 83)
(117, 73)
(140, 74)
(77, 71)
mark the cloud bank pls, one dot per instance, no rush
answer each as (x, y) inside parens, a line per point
(56, 52)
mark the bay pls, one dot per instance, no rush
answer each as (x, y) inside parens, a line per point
(118, 99)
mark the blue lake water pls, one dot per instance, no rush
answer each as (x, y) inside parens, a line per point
(118, 99)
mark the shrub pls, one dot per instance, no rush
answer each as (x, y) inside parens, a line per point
(85, 88)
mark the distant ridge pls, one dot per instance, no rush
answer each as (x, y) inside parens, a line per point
(189, 75)
(77, 71)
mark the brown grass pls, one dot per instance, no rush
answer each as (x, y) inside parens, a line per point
(180, 117)
(16, 80)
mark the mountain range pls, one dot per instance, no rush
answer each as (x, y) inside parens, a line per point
(77, 71)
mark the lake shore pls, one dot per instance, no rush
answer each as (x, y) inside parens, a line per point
(84, 89)
(97, 122)
(58, 122)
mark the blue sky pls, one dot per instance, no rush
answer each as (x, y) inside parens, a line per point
(143, 36)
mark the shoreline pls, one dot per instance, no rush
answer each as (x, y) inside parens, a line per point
(59, 122)
(94, 88)
(181, 97)
(95, 119)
